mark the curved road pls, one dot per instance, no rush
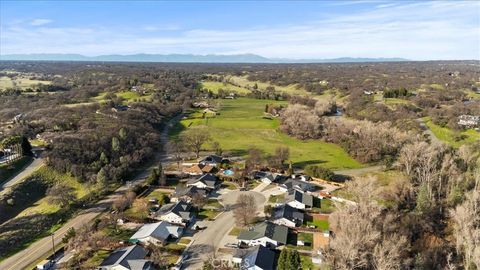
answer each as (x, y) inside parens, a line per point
(42, 247)
(29, 169)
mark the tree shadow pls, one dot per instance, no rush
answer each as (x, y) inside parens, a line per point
(303, 164)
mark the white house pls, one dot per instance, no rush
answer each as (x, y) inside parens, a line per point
(469, 120)
(177, 213)
(207, 181)
(157, 233)
(300, 200)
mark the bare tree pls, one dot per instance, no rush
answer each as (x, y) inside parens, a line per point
(245, 210)
(61, 194)
(175, 148)
(195, 138)
(466, 218)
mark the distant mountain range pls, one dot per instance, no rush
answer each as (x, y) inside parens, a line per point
(186, 58)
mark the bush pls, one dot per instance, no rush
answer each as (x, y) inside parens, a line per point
(319, 172)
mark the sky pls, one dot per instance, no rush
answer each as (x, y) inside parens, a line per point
(298, 29)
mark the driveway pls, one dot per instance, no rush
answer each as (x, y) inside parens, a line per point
(206, 242)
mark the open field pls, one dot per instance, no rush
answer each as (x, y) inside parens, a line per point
(215, 86)
(240, 126)
(453, 138)
(290, 89)
(22, 83)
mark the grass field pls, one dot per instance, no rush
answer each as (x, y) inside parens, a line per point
(319, 224)
(240, 126)
(22, 83)
(450, 137)
(292, 89)
(215, 86)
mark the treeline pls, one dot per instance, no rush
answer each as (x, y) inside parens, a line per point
(427, 219)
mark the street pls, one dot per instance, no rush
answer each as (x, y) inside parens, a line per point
(41, 248)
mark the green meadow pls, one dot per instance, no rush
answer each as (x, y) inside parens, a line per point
(451, 137)
(215, 86)
(240, 125)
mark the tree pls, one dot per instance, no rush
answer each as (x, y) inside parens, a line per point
(246, 210)
(281, 155)
(466, 219)
(115, 144)
(217, 148)
(319, 172)
(198, 200)
(255, 158)
(176, 148)
(289, 260)
(102, 179)
(268, 210)
(26, 147)
(61, 194)
(162, 179)
(158, 257)
(195, 138)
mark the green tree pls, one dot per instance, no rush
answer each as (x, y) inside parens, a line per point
(294, 261)
(153, 177)
(162, 180)
(282, 260)
(115, 144)
(102, 179)
(122, 134)
(103, 158)
(26, 147)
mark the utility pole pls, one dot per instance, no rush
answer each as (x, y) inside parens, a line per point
(53, 246)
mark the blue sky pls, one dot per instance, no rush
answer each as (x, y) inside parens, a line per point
(323, 29)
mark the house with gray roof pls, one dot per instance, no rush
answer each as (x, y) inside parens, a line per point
(207, 181)
(300, 200)
(288, 216)
(213, 160)
(187, 193)
(157, 233)
(255, 258)
(292, 184)
(180, 213)
(127, 258)
(265, 234)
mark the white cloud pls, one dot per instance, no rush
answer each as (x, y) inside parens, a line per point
(416, 30)
(38, 22)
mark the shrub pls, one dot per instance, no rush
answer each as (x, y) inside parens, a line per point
(319, 172)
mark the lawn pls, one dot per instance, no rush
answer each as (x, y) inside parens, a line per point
(241, 126)
(276, 198)
(319, 224)
(229, 185)
(452, 137)
(22, 83)
(213, 203)
(292, 89)
(209, 214)
(326, 206)
(158, 194)
(235, 231)
(305, 237)
(215, 86)
(184, 241)
(9, 171)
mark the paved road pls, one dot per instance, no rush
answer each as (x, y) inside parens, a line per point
(207, 241)
(39, 249)
(29, 169)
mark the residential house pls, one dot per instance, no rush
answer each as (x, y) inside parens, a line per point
(300, 200)
(157, 233)
(287, 215)
(265, 234)
(199, 169)
(301, 177)
(295, 184)
(187, 193)
(212, 160)
(269, 177)
(120, 108)
(207, 181)
(469, 120)
(127, 258)
(255, 258)
(177, 213)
